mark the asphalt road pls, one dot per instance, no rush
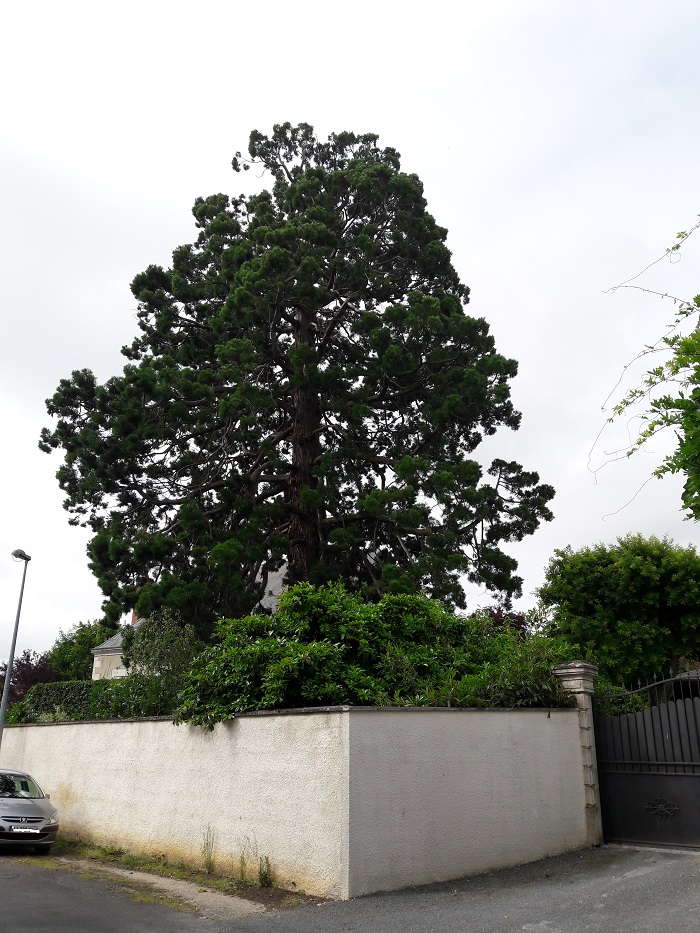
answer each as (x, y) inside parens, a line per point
(608, 890)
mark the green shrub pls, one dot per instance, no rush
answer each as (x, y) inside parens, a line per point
(613, 700)
(163, 645)
(76, 700)
(325, 646)
(71, 658)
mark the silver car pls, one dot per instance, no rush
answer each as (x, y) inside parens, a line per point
(27, 816)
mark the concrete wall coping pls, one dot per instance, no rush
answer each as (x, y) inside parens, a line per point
(311, 711)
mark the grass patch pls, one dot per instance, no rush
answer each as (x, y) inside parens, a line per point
(41, 861)
(139, 891)
(263, 893)
(167, 900)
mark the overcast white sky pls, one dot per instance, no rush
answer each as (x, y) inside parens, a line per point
(558, 143)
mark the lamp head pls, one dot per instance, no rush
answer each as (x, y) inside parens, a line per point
(19, 554)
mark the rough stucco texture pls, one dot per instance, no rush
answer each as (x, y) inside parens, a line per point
(343, 802)
(270, 786)
(439, 794)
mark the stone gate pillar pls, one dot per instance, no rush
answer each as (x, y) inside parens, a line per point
(577, 678)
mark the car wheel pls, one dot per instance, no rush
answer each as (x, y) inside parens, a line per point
(42, 850)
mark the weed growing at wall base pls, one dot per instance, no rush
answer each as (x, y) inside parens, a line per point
(208, 848)
(264, 872)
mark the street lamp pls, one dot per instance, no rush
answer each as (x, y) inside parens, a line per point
(18, 555)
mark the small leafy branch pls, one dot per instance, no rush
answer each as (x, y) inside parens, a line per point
(668, 392)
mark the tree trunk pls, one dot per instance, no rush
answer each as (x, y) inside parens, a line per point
(304, 537)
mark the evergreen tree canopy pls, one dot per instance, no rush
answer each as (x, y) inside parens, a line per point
(306, 389)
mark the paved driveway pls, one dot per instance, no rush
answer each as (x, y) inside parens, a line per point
(608, 890)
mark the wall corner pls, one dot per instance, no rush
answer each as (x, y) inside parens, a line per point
(344, 872)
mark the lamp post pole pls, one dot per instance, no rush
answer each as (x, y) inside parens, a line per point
(18, 555)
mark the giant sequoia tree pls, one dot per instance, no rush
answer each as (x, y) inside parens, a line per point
(306, 390)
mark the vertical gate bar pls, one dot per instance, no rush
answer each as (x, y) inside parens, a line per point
(642, 737)
(635, 753)
(685, 733)
(658, 738)
(693, 734)
(617, 742)
(686, 683)
(625, 739)
(674, 736)
(649, 732)
(665, 727)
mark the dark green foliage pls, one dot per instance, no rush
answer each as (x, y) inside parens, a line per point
(162, 646)
(325, 646)
(29, 668)
(124, 698)
(633, 608)
(70, 658)
(307, 390)
(613, 700)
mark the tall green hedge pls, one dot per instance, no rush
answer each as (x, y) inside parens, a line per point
(75, 700)
(325, 646)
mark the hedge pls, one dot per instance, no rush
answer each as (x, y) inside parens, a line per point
(325, 646)
(76, 700)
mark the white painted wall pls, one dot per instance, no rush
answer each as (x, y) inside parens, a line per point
(268, 785)
(442, 793)
(342, 801)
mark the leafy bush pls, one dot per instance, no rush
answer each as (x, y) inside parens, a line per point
(325, 646)
(613, 700)
(71, 658)
(76, 700)
(162, 645)
(633, 608)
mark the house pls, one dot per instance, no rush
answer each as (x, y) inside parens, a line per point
(107, 661)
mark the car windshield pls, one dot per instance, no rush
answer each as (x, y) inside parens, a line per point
(18, 785)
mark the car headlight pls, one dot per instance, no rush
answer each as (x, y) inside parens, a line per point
(52, 819)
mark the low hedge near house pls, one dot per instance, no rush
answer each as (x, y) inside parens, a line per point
(74, 700)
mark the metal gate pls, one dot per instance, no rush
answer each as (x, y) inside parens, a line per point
(648, 747)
